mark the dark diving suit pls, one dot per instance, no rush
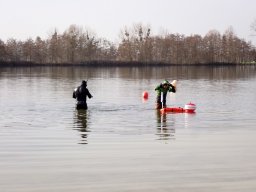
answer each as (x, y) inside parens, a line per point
(80, 94)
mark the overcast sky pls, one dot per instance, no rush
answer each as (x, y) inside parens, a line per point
(21, 19)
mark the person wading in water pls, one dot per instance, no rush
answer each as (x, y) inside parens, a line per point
(80, 94)
(164, 87)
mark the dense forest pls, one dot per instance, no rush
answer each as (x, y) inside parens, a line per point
(77, 45)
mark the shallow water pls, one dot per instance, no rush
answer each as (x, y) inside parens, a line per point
(121, 143)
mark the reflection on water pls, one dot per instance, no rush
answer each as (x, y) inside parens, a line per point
(179, 72)
(81, 124)
(165, 128)
(187, 119)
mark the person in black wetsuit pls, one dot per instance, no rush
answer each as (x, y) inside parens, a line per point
(80, 94)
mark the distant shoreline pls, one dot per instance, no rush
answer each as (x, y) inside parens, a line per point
(113, 64)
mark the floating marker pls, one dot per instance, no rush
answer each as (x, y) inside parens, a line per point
(189, 108)
(145, 95)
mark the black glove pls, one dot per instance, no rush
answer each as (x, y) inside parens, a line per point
(74, 94)
(173, 88)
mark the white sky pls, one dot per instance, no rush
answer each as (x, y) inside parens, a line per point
(21, 19)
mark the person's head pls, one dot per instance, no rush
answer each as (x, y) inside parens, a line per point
(84, 83)
(165, 84)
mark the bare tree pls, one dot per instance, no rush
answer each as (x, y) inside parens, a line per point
(14, 50)
(125, 47)
(40, 51)
(76, 45)
(253, 26)
(106, 50)
(53, 48)
(92, 47)
(212, 42)
(71, 36)
(3, 53)
(136, 43)
(27, 48)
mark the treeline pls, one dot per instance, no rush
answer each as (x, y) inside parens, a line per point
(77, 45)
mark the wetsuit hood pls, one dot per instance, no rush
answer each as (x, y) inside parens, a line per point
(84, 83)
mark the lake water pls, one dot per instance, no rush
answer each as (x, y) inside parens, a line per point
(122, 143)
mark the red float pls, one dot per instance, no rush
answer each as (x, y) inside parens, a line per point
(189, 108)
(145, 95)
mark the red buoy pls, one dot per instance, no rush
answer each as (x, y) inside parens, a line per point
(145, 95)
(190, 108)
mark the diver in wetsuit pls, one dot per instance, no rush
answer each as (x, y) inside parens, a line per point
(164, 87)
(80, 94)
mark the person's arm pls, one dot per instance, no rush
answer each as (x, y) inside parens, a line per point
(157, 88)
(74, 94)
(172, 88)
(89, 94)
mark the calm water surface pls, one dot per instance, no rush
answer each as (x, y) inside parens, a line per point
(121, 143)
